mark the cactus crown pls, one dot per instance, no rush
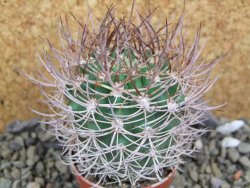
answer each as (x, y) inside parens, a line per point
(125, 97)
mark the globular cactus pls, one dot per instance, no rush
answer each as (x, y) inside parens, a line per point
(125, 98)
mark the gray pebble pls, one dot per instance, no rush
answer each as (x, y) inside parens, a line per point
(207, 150)
(9, 137)
(16, 184)
(213, 134)
(31, 151)
(215, 152)
(18, 164)
(49, 185)
(15, 173)
(246, 128)
(52, 153)
(245, 162)
(215, 169)
(39, 168)
(13, 127)
(231, 169)
(50, 163)
(5, 183)
(48, 173)
(54, 175)
(2, 137)
(39, 149)
(40, 181)
(223, 152)
(5, 165)
(26, 176)
(239, 183)
(15, 146)
(6, 154)
(45, 137)
(69, 185)
(196, 186)
(212, 145)
(201, 159)
(23, 183)
(225, 185)
(54, 145)
(15, 156)
(6, 173)
(25, 135)
(233, 154)
(179, 180)
(25, 173)
(33, 135)
(208, 169)
(30, 162)
(62, 168)
(19, 140)
(33, 185)
(57, 185)
(193, 174)
(30, 141)
(216, 182)
(247, 176)
(18, 126)
(22, 154)
(204, 178)
(244, 148)
(203, 167)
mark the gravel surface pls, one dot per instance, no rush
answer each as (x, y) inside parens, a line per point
(29, 158)
(214, 166)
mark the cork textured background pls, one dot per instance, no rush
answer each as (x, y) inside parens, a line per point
(225, 23)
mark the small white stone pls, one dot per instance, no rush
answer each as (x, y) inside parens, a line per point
(230, 127)
(229, 142)
(198, 144)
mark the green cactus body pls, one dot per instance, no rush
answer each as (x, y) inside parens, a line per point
(124, 107)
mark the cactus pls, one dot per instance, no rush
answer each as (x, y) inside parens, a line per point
(124, 98)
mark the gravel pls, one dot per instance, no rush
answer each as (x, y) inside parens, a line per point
(215, 166)
(5, 183)
(29, 158)
(245, 162)
(233, 154)
(244, 148)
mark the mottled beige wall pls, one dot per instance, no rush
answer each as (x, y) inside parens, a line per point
(23, 22)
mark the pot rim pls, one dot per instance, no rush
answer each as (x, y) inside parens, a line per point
(76, 173)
